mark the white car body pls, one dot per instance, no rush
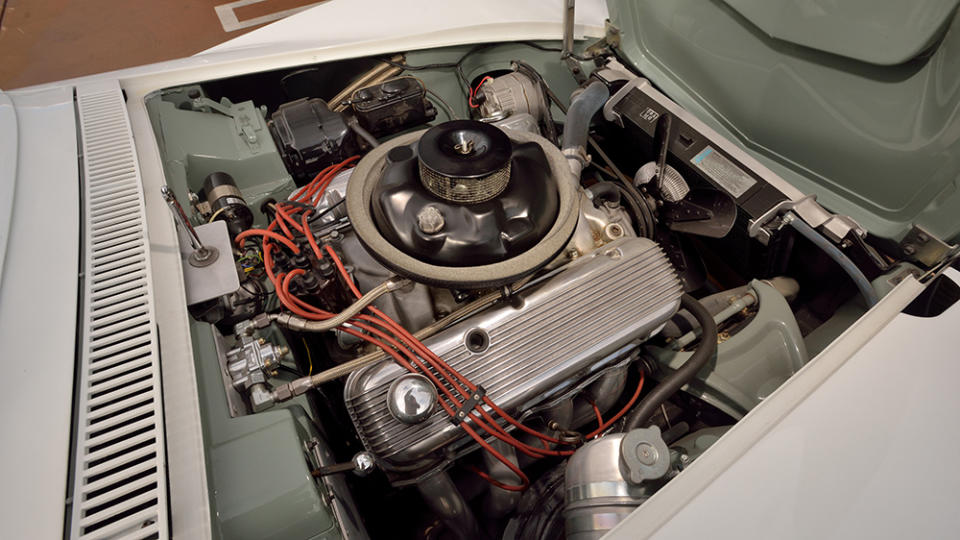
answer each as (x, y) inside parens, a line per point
(775, 474)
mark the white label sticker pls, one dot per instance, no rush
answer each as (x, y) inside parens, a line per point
(723, 171)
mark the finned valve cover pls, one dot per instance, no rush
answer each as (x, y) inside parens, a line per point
(596, 305)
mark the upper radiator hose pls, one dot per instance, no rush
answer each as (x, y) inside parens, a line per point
(674, 381)
(577, 128)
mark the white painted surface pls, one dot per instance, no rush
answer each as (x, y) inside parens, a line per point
(119, 404)
(33, 496)
(8, 170)
(312, 36)
(38, 312)
(292, 42)
(863, 447)
(338, 22)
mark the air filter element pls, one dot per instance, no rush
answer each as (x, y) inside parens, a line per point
(464, 161)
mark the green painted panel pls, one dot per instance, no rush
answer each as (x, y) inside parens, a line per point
(879, 143)
(260, 484)
(195, 143)
(884, 32)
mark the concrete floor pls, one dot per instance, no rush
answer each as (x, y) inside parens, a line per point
(50, 40)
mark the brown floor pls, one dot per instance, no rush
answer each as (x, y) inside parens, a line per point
(50, 40)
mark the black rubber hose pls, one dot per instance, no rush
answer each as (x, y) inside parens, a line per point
(634, 197)
(673, 382)
(582, 108)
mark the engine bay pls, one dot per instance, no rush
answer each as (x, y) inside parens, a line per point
(492, 291)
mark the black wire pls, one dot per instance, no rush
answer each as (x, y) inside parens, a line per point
(329, 209)
(670, 384)
(314, 216)
(635, 209)
(549, 124)
(410, 67)
(541, 47)
(299, 204)
(296, 372)
(262, 293)
(627, 184)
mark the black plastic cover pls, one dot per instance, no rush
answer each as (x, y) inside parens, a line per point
(474, 234)
(311, 137)
(392, 106)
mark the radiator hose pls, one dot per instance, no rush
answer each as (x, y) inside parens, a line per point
(576, 132)
(673, 382)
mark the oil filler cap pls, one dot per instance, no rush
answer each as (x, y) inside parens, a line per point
(411, 398)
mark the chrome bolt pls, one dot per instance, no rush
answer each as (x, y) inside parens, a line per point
(613, 231)
(363, 463)
(430, 220)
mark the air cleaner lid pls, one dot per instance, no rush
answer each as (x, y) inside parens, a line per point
(465, 161)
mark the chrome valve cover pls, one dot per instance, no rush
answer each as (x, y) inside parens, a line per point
(523, 351)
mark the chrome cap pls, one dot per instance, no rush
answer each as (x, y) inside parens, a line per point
(412, 398)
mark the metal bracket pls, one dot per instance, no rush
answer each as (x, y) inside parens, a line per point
(572, 63)
(569, 15)
(464, 411)
(248, 122)
(755, 228)
(611, 39)
(922, 246)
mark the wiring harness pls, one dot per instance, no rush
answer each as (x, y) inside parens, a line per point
(456, 394)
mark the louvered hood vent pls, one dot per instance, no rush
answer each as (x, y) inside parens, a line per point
(119, 484)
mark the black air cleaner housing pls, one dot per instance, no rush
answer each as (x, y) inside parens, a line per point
(463, 204)
(495, 199)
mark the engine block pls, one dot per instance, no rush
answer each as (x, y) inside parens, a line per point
(555, 335)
